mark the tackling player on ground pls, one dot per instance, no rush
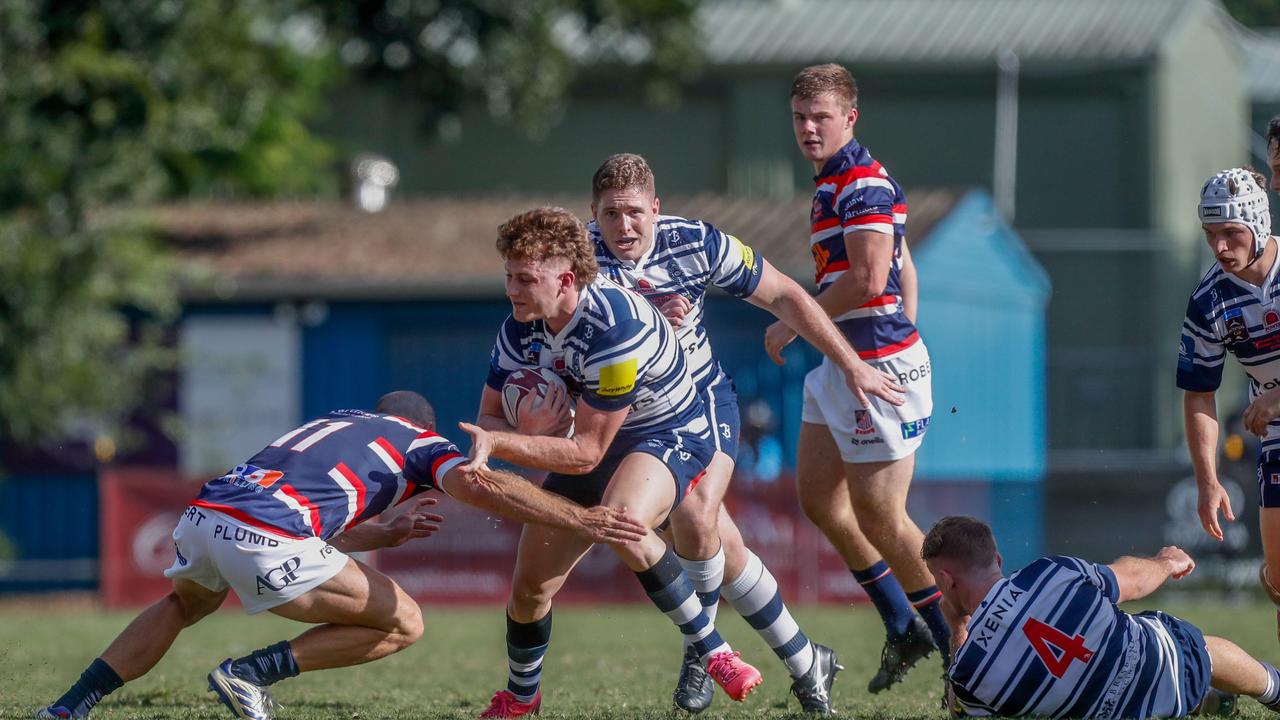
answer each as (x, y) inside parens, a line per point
(673, 262)
(1050, 641)
(854, 464)
(276, 530)
(640, 439)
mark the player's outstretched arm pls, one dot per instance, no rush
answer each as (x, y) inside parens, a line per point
(392, 528)
(1200, 415)
(511, 496)
(796, 310)
(1139, 577)
(593, 430)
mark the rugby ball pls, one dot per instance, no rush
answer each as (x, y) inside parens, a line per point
(522, 382)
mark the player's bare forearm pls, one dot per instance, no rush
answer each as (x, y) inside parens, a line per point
(1139, 577)
(361, 538)
(787, 301)
(511, 496)
(849, 291)
(1200, 415)
(494, 423)
(571, 456)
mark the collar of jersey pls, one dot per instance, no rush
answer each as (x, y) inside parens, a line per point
(843, 157)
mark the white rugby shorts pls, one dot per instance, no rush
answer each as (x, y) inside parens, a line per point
(882, 432)
(265, 569)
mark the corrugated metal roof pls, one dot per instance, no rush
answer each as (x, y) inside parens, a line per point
(940, 31)
(1262, 64)
(441, 247)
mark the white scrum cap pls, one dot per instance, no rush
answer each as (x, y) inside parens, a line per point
(1234, 196)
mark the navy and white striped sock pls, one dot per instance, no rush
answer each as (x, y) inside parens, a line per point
(1271, 697)
(928, 602)
(706, 576)
(669, 588)
(526, 644)
(754, 594)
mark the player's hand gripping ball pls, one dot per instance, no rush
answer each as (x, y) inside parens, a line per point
(538, 382)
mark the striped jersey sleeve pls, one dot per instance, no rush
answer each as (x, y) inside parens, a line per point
(506, 355)
(866, 201)
(1201, 352)
(1099, 576)
(619, 359)
(429, 458)
(735, 267)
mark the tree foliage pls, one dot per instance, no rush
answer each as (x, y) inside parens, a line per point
(111, 103)
(114, 103)
(517, 59)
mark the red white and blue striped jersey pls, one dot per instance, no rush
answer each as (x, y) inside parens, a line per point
(1049, 641)
(617, 351)
(854, 192)
(687, 257)
(332, 474)
(1226, 314)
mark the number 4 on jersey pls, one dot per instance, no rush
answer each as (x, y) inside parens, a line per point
(1055, 648)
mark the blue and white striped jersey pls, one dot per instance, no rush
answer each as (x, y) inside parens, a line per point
(687, 257)
(332, 474)
(1226, 314)
(617, 351)
(1049, 641)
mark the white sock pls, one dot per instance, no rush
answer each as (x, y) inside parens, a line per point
(706, 576)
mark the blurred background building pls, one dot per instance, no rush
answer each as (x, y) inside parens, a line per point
(1051, 152)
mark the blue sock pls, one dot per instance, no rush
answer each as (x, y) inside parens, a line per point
(928, 602)
(882, 586)
(1271, 697)
(669, 588)
(96, 682)
(526, 644)
(267, 666)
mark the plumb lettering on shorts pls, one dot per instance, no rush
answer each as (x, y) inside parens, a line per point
(233, 533)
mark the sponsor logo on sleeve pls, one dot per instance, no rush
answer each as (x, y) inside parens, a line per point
(1271, 320)
(618, 379)
(1186, 354)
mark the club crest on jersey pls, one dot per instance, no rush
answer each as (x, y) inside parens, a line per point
(558, 364)
(1237, 328)
(862, 423)
(1275, 478)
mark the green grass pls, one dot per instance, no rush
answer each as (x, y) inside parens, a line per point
(604, 662)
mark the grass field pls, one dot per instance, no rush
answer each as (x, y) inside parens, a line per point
(604, 662)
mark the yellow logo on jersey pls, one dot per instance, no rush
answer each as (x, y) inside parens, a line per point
(748, 255)
(618, 379)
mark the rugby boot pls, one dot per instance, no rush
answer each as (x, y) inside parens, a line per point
(506, 705)
(54, 712)
(243, 698)
(900, 654)
(736, 676)
(694, 690)
(813, 689)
